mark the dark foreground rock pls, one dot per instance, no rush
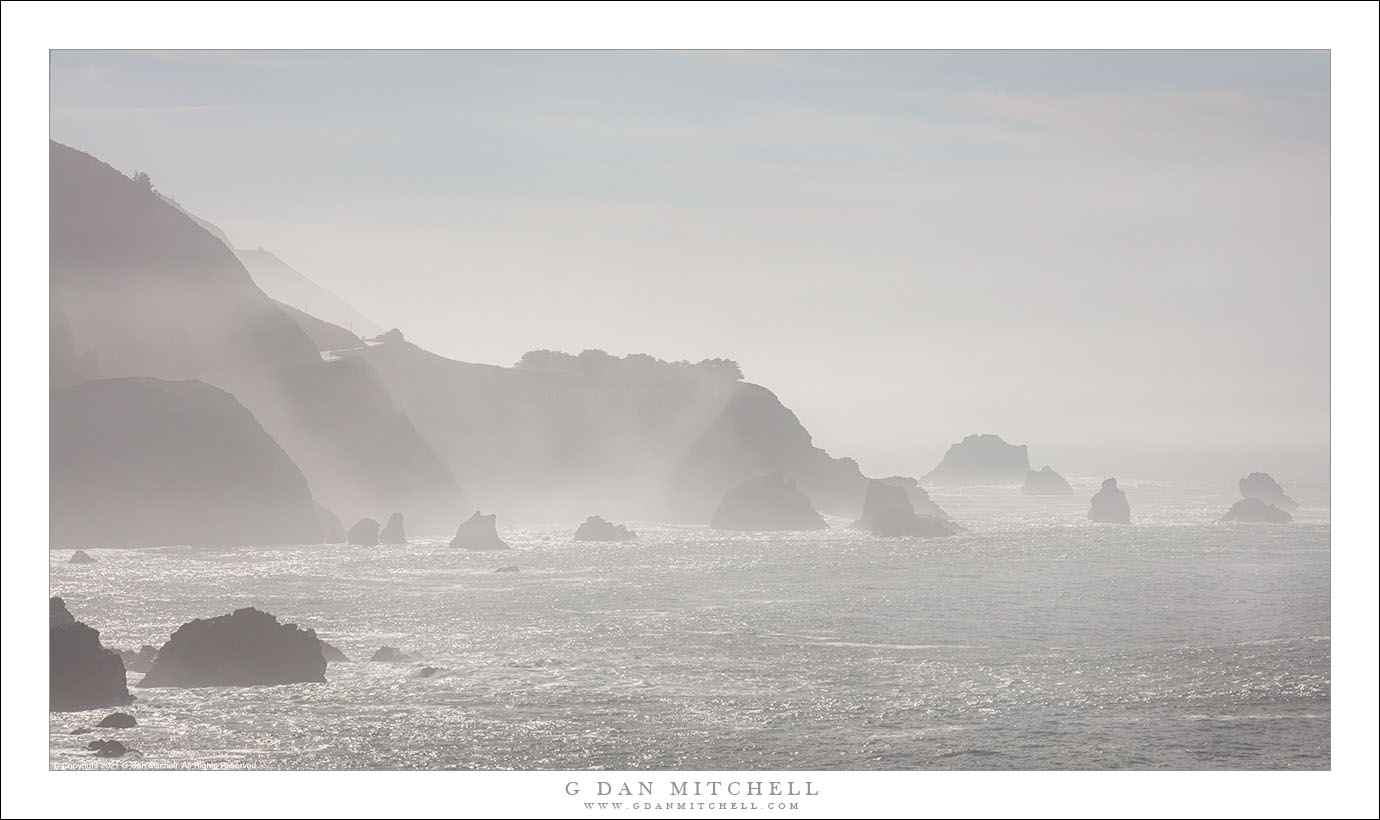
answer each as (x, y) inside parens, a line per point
(82, 674)
(1110, 506)
(117, 720)
(108, 748)
(981, 459)
(1257, 511)
(364, 534)
(479, 533)
(1265, 488)
(597, 529)
(332, 655)
(1046, 482)
(896, 523)
(245, 648)
(390, 654)
(80, 557)
(769, 503)
(141, 661)
(393, 532)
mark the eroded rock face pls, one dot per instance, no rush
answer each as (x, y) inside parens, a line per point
(981, 459)
(1110, 506)
(479, 533)
(769, 503)
(1257, 511)
(80, 557)
(1265, 488)
(245, 648)
(364, 534)
(597, 529)
(82, 674)
(1046, 482)
(393, 533)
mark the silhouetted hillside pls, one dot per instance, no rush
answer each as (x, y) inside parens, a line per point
(285, 284)
(324, 335)
(148, 462)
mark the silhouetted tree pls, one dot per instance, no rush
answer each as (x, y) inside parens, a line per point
(143, 180)
(727, 368)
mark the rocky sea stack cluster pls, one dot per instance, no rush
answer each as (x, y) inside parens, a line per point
(597, 529)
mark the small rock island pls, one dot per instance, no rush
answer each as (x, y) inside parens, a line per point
(769, 503)
(245, 648)
(1110, 506)
(597, 529)
(981, 459)
(479, 533)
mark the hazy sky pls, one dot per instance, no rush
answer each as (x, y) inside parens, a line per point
(1118, 258)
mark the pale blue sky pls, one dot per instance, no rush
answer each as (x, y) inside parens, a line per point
(1104, 255)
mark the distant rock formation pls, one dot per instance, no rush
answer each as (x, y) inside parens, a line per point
(1110, 506)
(245, 648)
(1046, 482)
(1257, 511)
(390, 654)
(597, 529)
(880, 497)
(1265, 488)
(365, 533)
(393, 533)
(332, 655)
(82, 674)
(479, 533)
(117, 720)
(920, 500)
(981, 459)
(769, 503)
(141, 661)
(512, 568)
(894, 522)
(80, 557)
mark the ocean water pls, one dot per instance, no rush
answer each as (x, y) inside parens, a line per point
(1033, 640)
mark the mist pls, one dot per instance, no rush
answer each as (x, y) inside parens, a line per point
(1124, 268)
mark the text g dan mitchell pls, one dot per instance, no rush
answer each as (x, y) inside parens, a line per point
(694, 788)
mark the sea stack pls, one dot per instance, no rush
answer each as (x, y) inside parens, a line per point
(1110, 506)
(1046, 482)
(80, 557)
(769, 503)
(246, 648)
(981, 459)
(920, 500)
(597, 529)
(1265, 488)
(364, 534)
(1257, 511)
(887, 512)
(393, 532)
(479, 533)
(82, 674)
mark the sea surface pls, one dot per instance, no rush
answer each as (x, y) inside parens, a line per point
(1033, 640)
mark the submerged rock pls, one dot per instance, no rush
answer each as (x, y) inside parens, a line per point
(117, 720)
(332, 655)
(1110, 506)
(390, 654)
(82, 674)
(245, 648)
(83, 730)
(393, 532)
(428, 671)
(479, 533)
(981, 459)
(364, 534)
(894, 522)
(80, 557)
(141, 661)
(1046, 482)
(769, 503)
(1265, 488)
(1257, 511)
(597, 529)
(507, 569)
